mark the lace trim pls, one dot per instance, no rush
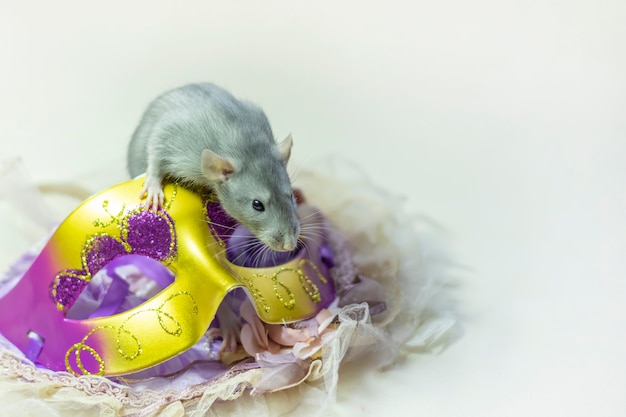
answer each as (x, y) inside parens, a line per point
(229, 386)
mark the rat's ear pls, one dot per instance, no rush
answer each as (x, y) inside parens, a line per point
(214, 167)
(285, 148)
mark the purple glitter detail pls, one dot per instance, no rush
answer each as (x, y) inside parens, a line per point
(69, 287)
(221, 224)
(148, 234)
(151, 234)
(102, 250)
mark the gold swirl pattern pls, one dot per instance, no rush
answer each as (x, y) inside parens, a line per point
(124, 338)
(256, 293)
(83, 347)
(307, 285)
(115, 218)
(282, 291)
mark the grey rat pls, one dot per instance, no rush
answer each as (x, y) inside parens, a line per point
(204, 137)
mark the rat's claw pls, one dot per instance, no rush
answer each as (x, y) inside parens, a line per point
(230, 339)
(155, 200)
(154, 194)
(143, 192)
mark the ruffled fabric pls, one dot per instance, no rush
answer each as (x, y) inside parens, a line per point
(391, 301)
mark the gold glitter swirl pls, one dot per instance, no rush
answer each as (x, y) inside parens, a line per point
(255, 292)
(178, 294)
(307, 285)
(291, 302)
(114, 218)
(217, 238)
(83, 347)
(124, 338)
(172, 322)
(161, 313)
(282, 292)
(170, 201)
(119, 342)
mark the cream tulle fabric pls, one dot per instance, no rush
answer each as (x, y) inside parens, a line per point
(373, 237)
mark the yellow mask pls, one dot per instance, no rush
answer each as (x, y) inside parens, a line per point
(180, 236)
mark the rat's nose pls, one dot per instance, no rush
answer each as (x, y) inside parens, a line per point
(289, 243)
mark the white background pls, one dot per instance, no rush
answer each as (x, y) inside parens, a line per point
(504, 122)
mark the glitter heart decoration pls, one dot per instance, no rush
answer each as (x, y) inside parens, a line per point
(141, 232)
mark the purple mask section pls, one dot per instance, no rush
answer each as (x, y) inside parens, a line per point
(244, 249)
(221, 224)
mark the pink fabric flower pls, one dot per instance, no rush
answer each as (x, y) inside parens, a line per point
(254, 336)
(305, 338)
(307, 348)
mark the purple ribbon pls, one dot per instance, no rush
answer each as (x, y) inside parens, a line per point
(117, 292)
(34, 347)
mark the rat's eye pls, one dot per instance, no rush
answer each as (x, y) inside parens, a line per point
(257, 205)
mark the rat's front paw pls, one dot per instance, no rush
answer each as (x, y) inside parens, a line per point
(230, 327)
(154, 194)
(230, 339)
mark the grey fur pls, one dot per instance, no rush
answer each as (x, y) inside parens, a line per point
(181, 123)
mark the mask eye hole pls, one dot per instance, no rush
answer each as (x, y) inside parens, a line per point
(257, 205)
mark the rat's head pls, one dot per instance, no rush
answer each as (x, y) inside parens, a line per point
(257, 193)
